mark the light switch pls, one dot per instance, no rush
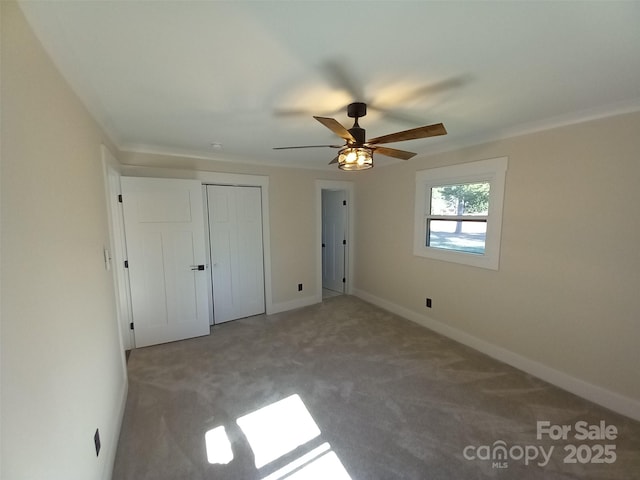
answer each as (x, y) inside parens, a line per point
(107, 260)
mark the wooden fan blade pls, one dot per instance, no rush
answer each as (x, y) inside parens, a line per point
(336, 128)
(308, 146)
(395, 153)
(338, 73)
(335, 160)
(413, 134)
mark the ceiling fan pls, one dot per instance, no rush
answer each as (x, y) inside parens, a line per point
(357, 152)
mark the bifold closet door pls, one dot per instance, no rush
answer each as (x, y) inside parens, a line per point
(235, 235)
(164, 229)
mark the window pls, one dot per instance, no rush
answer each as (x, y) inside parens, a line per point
(458, 212)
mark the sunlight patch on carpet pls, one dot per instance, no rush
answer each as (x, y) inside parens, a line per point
(274, 431)
(277, 429)
(319, 463)
(218, 446)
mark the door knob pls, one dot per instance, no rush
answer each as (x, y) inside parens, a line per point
(198, 267)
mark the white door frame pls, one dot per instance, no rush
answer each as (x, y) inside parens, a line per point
(348, 188)
(116, 254)
(334, 215)
(241, 180)
(237, 252)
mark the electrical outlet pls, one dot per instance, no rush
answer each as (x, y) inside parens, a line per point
(299, 287)
(96, 441)
(428, 303)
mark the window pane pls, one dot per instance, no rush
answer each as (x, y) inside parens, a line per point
(462, 236)
(462, 199)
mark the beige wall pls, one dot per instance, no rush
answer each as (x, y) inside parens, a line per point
(292, 213)
(567, 292)
(63, 374)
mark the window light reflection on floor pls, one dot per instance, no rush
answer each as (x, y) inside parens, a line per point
(319, 464)
(218, 446)
(274, 431)
(278, 428)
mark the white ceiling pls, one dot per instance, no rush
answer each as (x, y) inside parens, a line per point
(176, 76)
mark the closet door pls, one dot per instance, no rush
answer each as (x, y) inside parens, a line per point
(237, 268)
(164, 228)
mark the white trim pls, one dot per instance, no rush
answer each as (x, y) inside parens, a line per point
(492, 171)
(574, 118)
(293, 304)
(214, 178)
(117, 251)
(349, 189)
(611, 400)
(551, 123)
(112, 445)
(207, 242)
(218, 157)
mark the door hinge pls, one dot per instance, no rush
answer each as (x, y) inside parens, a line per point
(344, 202)
(120, 198)
(344, 280)
(344, 242)
(126, 264)
(131, 326)
(323, 245)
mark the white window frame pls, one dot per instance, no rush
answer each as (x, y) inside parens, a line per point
(492, 171)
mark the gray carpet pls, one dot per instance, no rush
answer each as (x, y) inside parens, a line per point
(388, 398)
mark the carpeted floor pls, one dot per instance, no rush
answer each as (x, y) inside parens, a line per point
(346, 390)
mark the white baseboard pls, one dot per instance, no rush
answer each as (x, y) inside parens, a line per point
(113, 441)
(298, 303)
(611, 400)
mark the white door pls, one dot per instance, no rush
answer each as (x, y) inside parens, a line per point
(118, 253)
(164, 227)
(334, 224)
(235, 235)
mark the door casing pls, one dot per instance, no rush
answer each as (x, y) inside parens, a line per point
(116, 254)
(349, 189)
(237, 254)
(241, 180)
(334, 223)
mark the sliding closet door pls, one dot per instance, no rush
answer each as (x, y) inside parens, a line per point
(237, 269)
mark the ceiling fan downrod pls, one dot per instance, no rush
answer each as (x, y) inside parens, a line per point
(357, 110)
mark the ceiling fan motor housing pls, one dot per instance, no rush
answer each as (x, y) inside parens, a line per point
(357, 110)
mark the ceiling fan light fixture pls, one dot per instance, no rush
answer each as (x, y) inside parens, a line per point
(355, 158)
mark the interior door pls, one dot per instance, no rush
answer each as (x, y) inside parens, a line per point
(119, 252)
(334, 224)
(164, 227)
(235, 235)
